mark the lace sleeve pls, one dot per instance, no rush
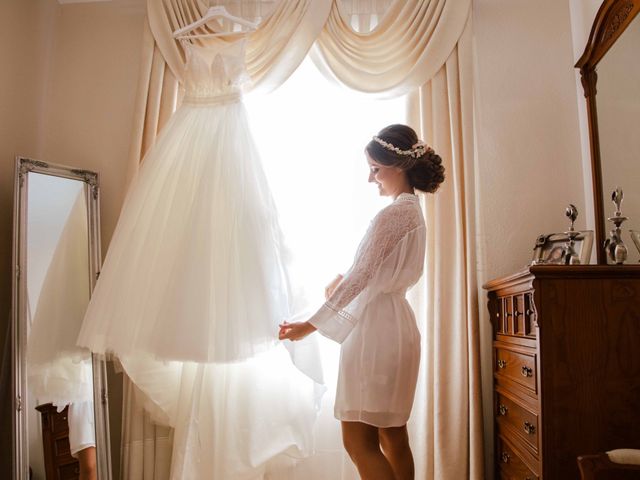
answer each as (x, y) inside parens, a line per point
(340, 313)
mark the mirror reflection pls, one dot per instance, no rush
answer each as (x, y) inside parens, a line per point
(618, 103)
(60, 414)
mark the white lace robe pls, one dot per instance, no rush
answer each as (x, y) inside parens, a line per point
(370, 316)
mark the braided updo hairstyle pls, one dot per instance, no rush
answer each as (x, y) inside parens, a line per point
(424, 169)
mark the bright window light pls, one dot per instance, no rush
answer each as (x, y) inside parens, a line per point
(311, 135)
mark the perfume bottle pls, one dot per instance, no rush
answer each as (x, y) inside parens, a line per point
(614, 246)
(569, 255)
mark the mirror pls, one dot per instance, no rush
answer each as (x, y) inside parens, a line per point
(60, 428)
(611, 73)
(619, 121)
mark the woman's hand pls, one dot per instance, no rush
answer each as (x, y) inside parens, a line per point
(328, 290)
(295, 331)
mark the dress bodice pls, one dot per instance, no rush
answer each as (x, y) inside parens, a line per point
(214, 72)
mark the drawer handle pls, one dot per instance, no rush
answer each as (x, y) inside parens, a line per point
(509, 314)
(526, 371)
(502, 410)
(502, 363)
(529, 428)
(517, 313)
(505, 457)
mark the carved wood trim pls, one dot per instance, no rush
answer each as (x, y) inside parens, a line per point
(510, 281)
(589, 272)
(523, 280)
(612, 19)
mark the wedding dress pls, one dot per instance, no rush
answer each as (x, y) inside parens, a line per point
(194, 286)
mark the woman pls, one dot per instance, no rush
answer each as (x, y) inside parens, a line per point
(367, 312)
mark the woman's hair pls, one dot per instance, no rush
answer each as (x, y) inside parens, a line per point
(399, 146)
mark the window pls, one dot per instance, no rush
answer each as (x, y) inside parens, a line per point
(311, 135)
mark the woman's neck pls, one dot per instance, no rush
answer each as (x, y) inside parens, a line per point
(407, 189)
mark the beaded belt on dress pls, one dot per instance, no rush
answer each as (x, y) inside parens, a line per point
(213, 100)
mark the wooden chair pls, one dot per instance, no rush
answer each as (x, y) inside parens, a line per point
(615, 465)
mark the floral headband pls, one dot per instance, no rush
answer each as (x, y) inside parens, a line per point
(417, 149)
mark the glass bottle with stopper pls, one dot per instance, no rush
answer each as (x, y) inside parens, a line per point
(569, 255)
(614, 246)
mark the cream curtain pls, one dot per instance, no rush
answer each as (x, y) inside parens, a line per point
(274, 50)
(156, 100)
(404, 51)
(145, 447)
(447, 301)
(421, 47)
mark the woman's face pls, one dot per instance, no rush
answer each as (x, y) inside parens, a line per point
(390, 180)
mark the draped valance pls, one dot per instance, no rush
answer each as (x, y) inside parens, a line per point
(409, 45)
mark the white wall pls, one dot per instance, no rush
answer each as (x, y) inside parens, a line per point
(24, 30)
(67, 87)
(90, 94)
(528, 142)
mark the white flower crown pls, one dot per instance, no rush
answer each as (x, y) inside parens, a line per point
(416, 150)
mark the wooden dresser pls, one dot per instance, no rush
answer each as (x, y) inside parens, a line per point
(566, 363)
(59, 464)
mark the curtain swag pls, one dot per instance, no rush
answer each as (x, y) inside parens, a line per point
(412, 41)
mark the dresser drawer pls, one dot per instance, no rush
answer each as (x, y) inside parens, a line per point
(516, 315)
(518, 366)
(510, 465)
(517, 419)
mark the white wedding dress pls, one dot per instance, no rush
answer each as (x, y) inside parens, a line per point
(194, 286)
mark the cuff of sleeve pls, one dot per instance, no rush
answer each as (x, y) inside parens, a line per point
(332, 324)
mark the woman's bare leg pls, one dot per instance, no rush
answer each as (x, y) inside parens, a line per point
(87, 460)
(395, 446)
(363, 446)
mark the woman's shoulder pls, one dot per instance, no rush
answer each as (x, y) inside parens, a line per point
(403, 213)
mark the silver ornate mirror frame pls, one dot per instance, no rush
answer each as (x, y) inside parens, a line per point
(18, 316)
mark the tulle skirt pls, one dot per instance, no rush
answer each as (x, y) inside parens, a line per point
(194, 271)
(58, 371)
(232, 421)
(190, 296)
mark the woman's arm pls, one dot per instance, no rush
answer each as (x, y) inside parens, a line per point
(337, 317)
(295, 331)
(299, 330)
